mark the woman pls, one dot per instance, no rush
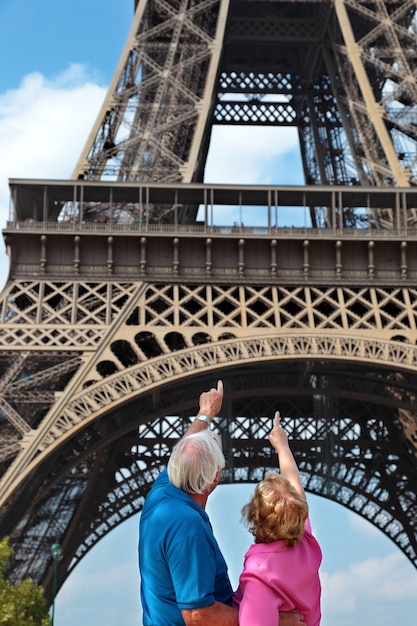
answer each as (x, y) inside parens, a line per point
(281, 569)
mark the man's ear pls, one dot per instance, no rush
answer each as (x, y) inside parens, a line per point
(215, 481)
(218, 474)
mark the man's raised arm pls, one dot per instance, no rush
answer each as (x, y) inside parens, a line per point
(209, 406)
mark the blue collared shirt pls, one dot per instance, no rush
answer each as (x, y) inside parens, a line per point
(180, 562)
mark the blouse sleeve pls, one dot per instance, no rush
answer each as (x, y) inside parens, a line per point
(259, 605)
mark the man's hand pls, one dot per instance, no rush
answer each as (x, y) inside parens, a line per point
(211, 401)
(291, 618)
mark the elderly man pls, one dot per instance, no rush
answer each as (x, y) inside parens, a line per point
(184, 579)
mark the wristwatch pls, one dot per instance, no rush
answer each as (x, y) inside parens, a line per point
(203, 418)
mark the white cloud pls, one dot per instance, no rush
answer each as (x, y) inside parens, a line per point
(364, 586)
(43, 127)
(375, 590)
(252, 155)
(104, 586)
(359, 524)
(45, 123)
(113, 586)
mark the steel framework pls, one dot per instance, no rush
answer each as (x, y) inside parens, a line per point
(120, 306)
(341, 71)
(108, 329)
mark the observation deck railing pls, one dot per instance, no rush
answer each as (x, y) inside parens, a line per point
(252, 210)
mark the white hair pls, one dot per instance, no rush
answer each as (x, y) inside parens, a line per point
(195, 461)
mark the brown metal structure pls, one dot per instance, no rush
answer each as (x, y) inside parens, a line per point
(342, 71)
(121, 307)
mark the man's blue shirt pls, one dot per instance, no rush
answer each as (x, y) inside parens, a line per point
(180, 562)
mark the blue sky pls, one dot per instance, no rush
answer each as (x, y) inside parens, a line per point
(56, 60)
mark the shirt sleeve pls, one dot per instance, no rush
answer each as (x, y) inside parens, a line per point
(259, 605)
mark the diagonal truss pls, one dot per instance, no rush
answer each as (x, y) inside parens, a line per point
(150, 125)
(376, 68)
(343, 72)
(104, 345)
(340, 360)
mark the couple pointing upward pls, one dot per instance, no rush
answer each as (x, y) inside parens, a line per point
(184, 579)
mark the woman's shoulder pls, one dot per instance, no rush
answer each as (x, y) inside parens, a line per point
(262, 550)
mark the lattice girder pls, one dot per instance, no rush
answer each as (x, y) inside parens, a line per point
(342, 458)
(341, 71)
(235, 323)
(108, 329)
(149, 353)
(150, 120)
(378, 77)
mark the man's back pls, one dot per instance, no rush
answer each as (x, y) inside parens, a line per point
(180, 562)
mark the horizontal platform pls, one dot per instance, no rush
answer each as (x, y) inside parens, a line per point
(133, 204)
(101, 231)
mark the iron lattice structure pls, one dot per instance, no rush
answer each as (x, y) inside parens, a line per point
(341, 71)
(120, 307)
(108, 331)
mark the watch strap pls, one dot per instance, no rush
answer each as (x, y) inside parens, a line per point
(203, 418)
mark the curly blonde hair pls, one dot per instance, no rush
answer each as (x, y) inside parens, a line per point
(276, 511)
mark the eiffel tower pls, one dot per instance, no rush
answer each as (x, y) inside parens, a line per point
(126, 298)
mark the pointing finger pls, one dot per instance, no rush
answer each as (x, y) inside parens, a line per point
(277, 419)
